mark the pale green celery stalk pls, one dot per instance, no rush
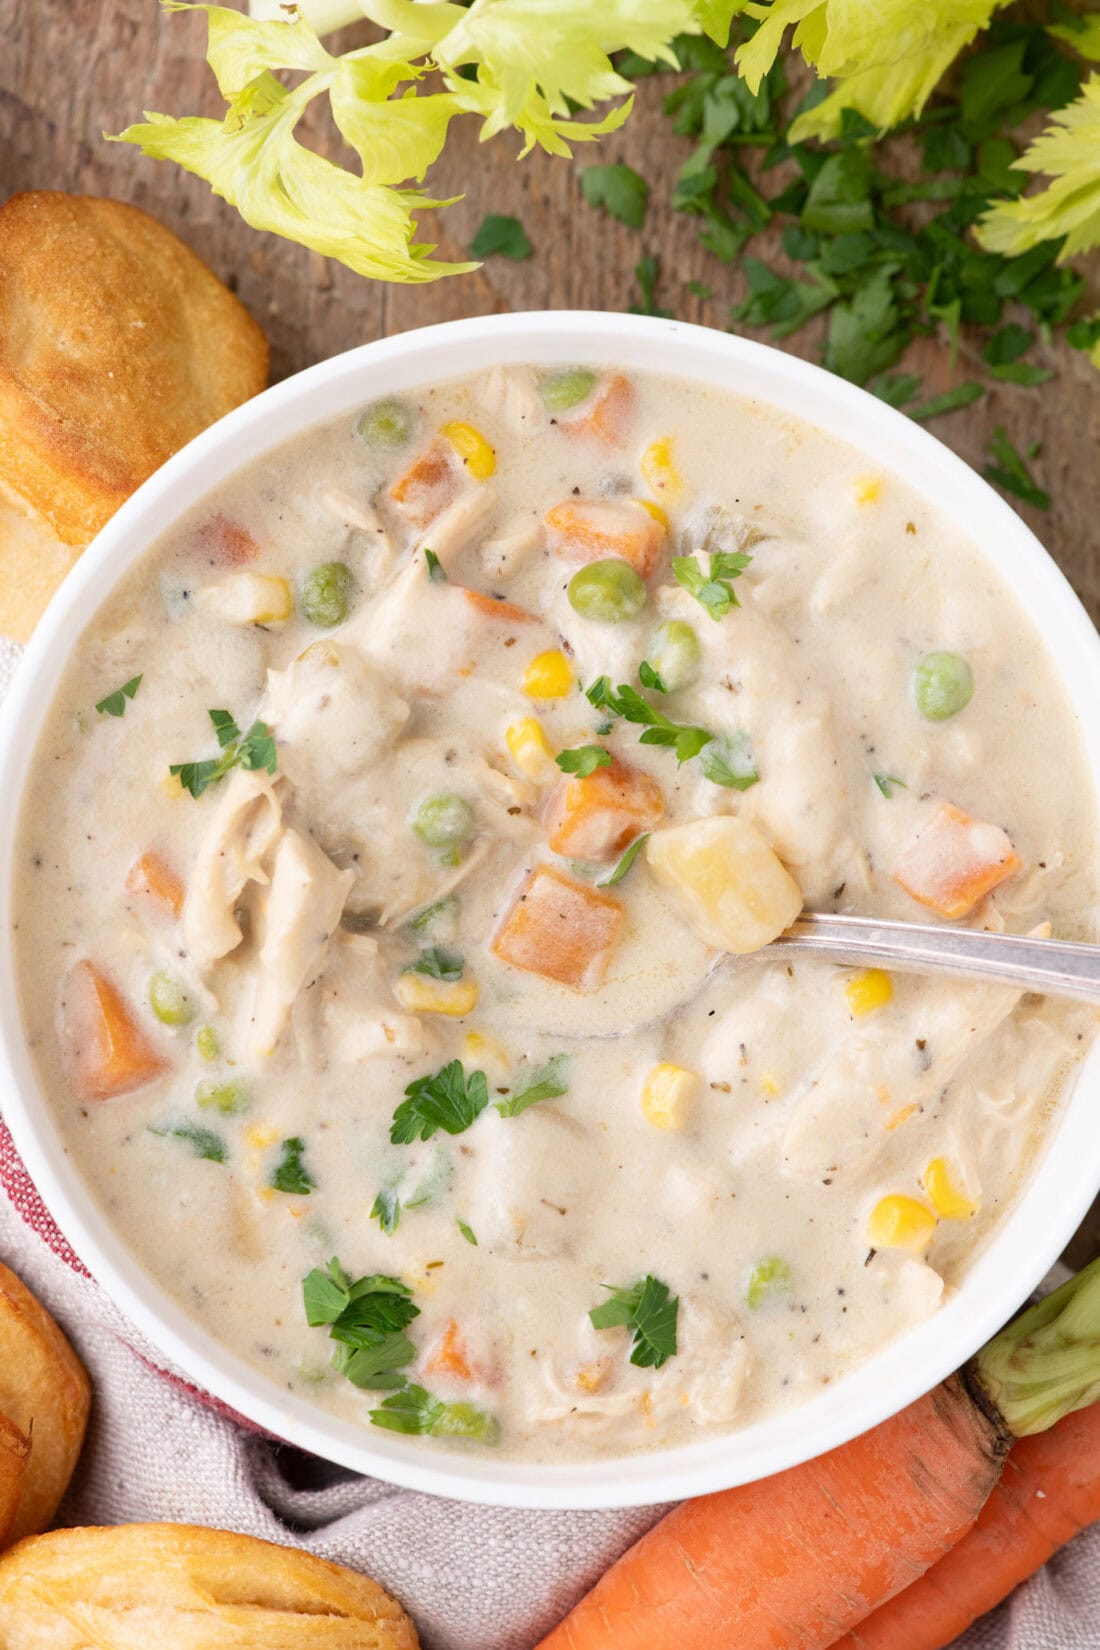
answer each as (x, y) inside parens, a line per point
(1046, 1362)
(322, 15)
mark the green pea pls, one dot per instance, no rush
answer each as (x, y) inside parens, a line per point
(206, 1041)
(608, 591)
(562, 390)
(386, 424)
(444, 821)
(325, 593)
(674, 654)
(770, 1276)
(943, 684)
(227, 1095)
(169, 1001)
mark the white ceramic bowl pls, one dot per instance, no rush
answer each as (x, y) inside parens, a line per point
(1065, 1179)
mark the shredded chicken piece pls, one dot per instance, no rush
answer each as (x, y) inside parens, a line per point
(246, 823)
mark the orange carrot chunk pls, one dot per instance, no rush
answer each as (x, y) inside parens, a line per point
(792, 1562)
(954, 861)
(429, 484)
(494, 608)
(1049, 1490)
(597, 816)
(449, 1355)
(606, 413)
(560, 929)
(108, 1053)
(151, 876)
(227, 542)
(581, 530)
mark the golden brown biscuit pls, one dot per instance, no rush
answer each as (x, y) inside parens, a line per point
(45, 1392)
(32, 565)
(177, 1587)
(117, 345)
(15, 1447)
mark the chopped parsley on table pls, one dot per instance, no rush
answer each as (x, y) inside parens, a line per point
(647, 1310)
(252, 750)
(501, 236)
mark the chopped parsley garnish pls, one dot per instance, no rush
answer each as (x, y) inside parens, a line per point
(620, 190)
(204, 1143)
(647, 1310)
(386, 1210)
(290, 1173)
(115, 703)
(1011, 472)
(728, 760)
(415, 1410)
(650, 678)
(888, 783)
(367, 1320)
(501, 237)
(431, 913)
(625, 862)
(436, 571)
(583, 760)
(627, 702)
(547, 1083)
(437, 963)
(251, 750)
(714, 589)
(447, 1100)
(467, 1232)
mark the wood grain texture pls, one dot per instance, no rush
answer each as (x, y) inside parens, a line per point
(72, 69)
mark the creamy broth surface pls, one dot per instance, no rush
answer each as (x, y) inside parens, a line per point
(806, 1158)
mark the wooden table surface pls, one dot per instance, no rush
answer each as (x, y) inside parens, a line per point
(72, 69)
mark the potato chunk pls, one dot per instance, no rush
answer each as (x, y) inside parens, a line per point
(597, 816)
(582, 530)
(727, 880)
(954, 861)
(560, 929)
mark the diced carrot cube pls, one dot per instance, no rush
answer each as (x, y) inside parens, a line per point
(150, 875)
(493, 608)
(429, 484)
(560, 929)
(227, 542)
(597, 816)
(448, 1357)
(954, 861)
(592, 529)
(108, 1053)
(604, 416)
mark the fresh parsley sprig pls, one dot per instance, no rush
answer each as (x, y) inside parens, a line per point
(447, 1100)
(629, 857)
(415, 1410)
(204, 1143)
(115, 703)
(367, 1320)
(290, 1173)
(713, 589)
(647, 1310)
(725, 759)
(583, 760)
(437, 963)
(386, 1210)
(547, 1083)
(251, 750)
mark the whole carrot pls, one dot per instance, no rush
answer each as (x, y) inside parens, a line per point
(797, 1561)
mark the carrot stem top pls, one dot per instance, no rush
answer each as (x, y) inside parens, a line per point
(1046, 1362)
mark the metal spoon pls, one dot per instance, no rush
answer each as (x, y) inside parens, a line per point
(1053, 968)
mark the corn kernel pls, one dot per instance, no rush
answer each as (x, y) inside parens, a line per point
(899, 1222)
(866, 991)
(422, 995)
(659, 470)
(548, 676)
(655, 511)
(478, 1047)
(260, 1137)
(867, 489)
(591, 1377)
(472, 448)
(902, 1115)
(668, 1095)
(250, 598)
(943, 1193)
(768, 1085)
(530, 750)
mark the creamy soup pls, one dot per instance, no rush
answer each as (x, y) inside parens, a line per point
(392, 867)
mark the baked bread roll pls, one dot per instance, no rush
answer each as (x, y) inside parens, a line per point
(45, 1393)
(178, 1587)
(15, 1447)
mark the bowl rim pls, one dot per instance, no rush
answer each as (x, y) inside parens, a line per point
(1066, 1173)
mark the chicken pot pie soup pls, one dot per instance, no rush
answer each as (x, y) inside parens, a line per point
(391, 870)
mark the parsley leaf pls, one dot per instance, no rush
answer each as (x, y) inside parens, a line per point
(467, 1231)
(290, 1174)
(728, 760)
(437, 963)
(963, 395)
(115, 703)
(650, 678)
(204, 1143)
(712, 590)
(436, 571)
(366, 1319)
(225, 727)
(386, 1210)
(619, 190)
(501, 236)
(627, 702)
(446, 1100)
(252, 750)
(415, 1410)
(583, 760)
(625, 862)
(646, 273)
(647, 1310)
(547, 1083)
(888, 782)
(1011, 472)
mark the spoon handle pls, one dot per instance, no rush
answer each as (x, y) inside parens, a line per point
(1054, 968)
